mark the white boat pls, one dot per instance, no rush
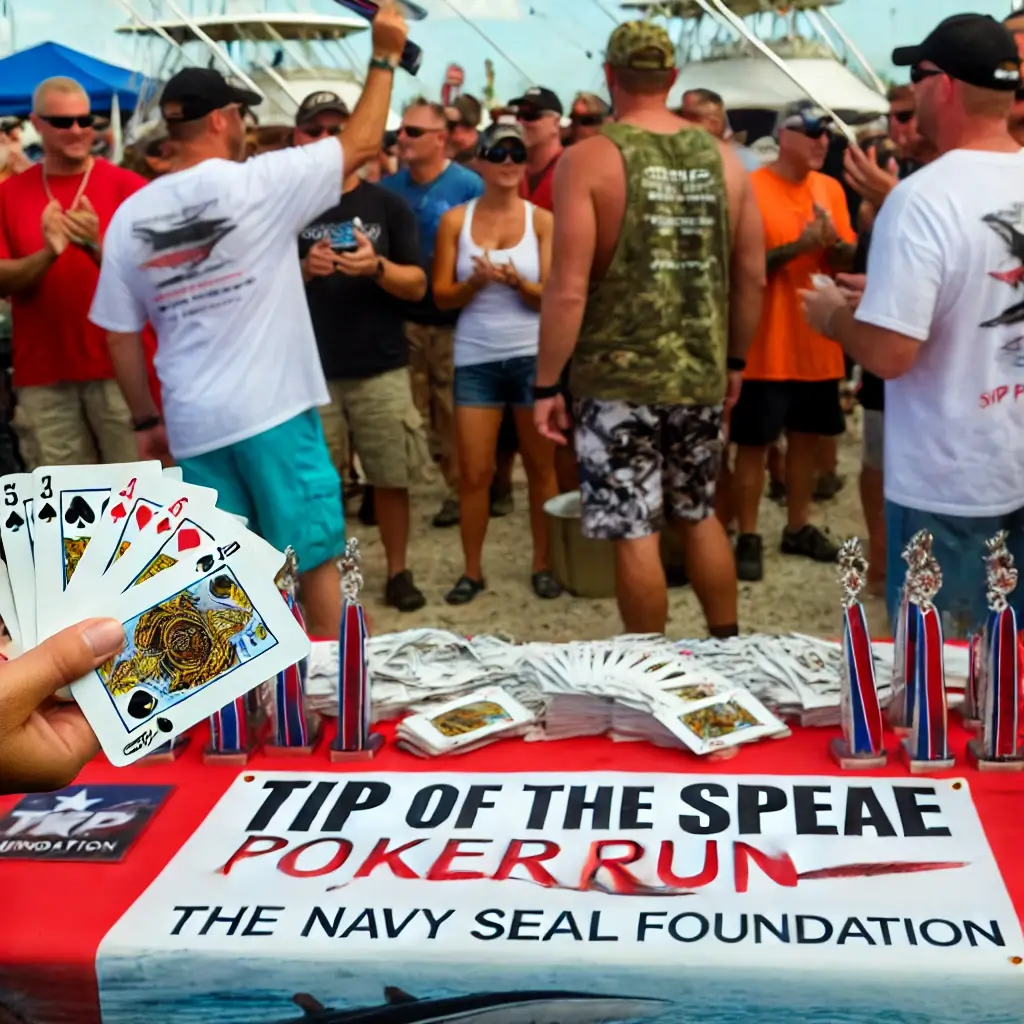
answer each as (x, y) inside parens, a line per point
(283, 55)
(761, 55)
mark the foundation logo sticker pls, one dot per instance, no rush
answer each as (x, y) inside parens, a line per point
(184, 245)
(91, 823)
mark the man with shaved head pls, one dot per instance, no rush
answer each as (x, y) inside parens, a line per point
(53, 219)
(942, 316)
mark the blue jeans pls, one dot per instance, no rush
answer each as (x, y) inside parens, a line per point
(958, 546)
(495, 385)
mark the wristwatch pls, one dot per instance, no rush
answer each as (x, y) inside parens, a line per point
(383, 64)
(545, 391)
(147, 424)
(735, 364)
(380, 269)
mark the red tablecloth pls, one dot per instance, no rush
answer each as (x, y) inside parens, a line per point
(54, 915)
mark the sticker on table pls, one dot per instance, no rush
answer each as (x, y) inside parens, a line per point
(88, 823)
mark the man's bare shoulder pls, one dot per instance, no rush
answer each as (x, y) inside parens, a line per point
(588, 159)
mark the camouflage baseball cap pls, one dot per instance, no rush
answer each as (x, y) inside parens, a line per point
(642, 46)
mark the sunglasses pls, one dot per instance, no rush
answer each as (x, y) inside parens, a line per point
(413, 132)
(64, 123)
(588, 120)
(531, 116)
(815, 132)
(918, 74)
(318, 131)
(903, 116)
(516, 152)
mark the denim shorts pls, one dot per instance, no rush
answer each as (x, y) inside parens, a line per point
(958, 544)
(495, 385)
(284, 483)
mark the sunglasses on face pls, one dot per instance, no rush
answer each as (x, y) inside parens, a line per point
(531, 116)
(816, 131)
(918, 75)
(516, 152)
(413, 132)
(318, 131)
(64, 123)
(903, 116)
(588, 120)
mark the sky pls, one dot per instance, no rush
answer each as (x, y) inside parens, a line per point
(556, 43)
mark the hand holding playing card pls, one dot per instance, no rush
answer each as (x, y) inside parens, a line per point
(44, 744)
(54, 233)
(361, 263)
(82, 224)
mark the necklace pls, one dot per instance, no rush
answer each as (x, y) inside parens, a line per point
(81, 188)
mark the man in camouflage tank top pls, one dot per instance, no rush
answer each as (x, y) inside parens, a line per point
(655, 294)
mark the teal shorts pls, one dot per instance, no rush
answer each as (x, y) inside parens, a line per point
(284, 483)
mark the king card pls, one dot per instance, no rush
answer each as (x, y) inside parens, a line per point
(199, 635)
(15, 531)
(69, 504)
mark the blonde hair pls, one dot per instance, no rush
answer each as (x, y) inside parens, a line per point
(64, 86)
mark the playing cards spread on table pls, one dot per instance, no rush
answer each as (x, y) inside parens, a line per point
(719, 721)
(196, 592)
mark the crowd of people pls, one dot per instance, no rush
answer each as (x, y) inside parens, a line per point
(614, 292)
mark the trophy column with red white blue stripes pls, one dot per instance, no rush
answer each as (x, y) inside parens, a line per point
(926, 747)
(354, 741)
(918, 555)
(230, 736)
(294, 731)
(862, 746)
(999, 695)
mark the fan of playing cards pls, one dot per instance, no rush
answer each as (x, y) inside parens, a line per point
(195, 591)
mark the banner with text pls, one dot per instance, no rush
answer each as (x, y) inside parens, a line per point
(523, 872)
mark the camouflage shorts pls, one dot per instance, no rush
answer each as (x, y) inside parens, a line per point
(640, 464)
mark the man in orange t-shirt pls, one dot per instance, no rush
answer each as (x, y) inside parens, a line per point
(791, 382)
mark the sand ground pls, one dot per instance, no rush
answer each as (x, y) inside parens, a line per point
(796, 594)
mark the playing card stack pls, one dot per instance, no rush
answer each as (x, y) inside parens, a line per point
(465, 724)
(195, 590)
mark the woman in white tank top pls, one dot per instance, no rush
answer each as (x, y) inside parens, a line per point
(491, 261)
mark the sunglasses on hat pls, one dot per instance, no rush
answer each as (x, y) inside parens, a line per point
(64, 123)
(505, 151)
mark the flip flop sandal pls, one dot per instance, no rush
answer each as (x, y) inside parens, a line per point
(465, 590)
(545, 585)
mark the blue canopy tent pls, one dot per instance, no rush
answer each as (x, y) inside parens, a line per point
(21, 72)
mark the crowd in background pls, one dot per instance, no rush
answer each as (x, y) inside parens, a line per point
(425, 289)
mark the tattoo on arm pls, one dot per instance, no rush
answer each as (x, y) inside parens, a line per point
(779, 257)
(840, 256)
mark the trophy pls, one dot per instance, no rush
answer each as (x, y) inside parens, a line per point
(926, 748)
(294, 733)
(354, 741)
(970, 711)
(230, 737)
(921, 583)
(861, 746)
(997, 747)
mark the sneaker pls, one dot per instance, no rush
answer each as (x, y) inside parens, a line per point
(811, 543)
(749, 558)
(449, 514)
(502, 504)
(368, 509)
(829, 485)
(777, 492)
(403, 594)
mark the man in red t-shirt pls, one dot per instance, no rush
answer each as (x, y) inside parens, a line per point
(52, 221)
(540, 111)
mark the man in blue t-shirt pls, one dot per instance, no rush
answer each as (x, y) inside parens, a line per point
(432, 184)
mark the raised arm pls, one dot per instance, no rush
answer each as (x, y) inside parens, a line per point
(361, 140)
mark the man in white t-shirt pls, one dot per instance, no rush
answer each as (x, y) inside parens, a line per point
(207, 255)
(942, 318)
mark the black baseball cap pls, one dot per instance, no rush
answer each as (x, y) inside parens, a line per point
(195, 92)
(319, 103)
(972, 48)
(539, 98)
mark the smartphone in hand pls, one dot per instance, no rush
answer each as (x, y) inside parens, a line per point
(343, 238)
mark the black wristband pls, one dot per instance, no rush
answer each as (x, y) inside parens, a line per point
(542, 392)
(382, 64)
(147, 424)
(735, 364)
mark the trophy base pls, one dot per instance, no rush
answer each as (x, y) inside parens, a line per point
(374, 743)
(228, 758)
(170, 753)
(271, 750)
(976, 758)
(917, 767)
(849, 762)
